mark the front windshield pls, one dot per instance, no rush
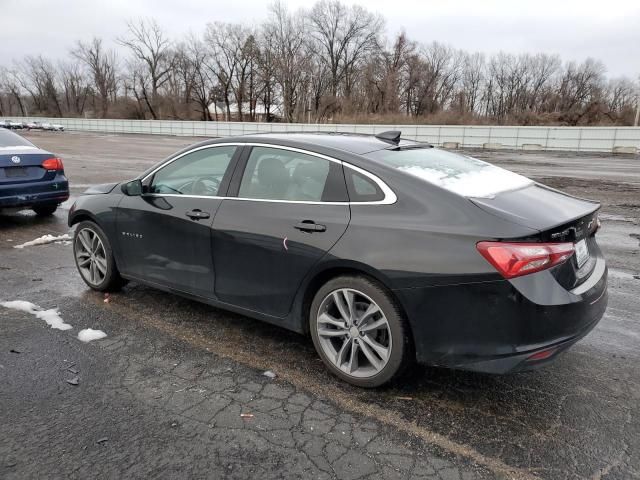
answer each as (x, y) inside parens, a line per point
(457, 173)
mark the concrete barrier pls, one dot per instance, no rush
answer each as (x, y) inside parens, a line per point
(531, 146)
(492, 146)
(580, 139)
(452, 145)
(632, 150)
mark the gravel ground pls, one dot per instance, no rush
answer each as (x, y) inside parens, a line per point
(163, 395)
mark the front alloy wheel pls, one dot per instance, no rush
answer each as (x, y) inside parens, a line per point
(91, 257)
(94, 258)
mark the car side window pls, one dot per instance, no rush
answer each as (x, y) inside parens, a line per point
(362, 188)
(276, 174)
(196, 173)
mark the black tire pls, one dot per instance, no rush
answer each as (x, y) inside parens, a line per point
(45, 210)
(402, 351)
(112, 280)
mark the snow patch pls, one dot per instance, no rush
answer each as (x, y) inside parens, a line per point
(51, 316)
(615, 218)
(89, 334)
(484, 182)
(18, 147)
(43, 240)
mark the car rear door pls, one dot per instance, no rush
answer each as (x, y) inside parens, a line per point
(290, 208)
(164, 234)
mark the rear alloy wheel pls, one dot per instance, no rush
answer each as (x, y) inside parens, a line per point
(94, 258)
(45, 209)
(359, 332)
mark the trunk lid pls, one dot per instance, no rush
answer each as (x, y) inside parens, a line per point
(22, 165)
(558, 217)
(537, 206)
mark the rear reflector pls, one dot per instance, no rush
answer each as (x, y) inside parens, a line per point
(52, 164)
(542, 355)
(517, 259)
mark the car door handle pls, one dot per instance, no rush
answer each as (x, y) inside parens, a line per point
(310, 226)
(197, 214)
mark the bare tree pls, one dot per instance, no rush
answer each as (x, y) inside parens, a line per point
(203, 83)
(102, 67)
(244, 88)
(151, 49)
(542, 68)
(580, 90)
(344, 36)
(39, 78)
(224, 41)
(74, 86)
(473, 74)
(266, 73)
(285, 36)
(386, 76)
(10, 90)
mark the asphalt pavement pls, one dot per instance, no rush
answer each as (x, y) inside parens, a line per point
(177, 390)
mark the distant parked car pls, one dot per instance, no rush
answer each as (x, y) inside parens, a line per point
(30, 177)
(32, 125)
(11, 125)
(54, 127)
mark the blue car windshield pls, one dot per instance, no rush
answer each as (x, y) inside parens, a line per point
(9, 140)
(461, 174)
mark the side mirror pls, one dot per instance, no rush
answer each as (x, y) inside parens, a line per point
(132, 188)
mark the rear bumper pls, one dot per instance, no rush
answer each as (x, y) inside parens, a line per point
(31, 194)
(496, 326)
(524, 361)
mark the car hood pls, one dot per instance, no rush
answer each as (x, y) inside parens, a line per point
(100, 189)
(537, 206)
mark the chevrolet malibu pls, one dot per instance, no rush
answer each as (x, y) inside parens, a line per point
(385, 251)
(30, 177)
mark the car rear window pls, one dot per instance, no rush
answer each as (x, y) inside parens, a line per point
(461, 174)
(9, 140)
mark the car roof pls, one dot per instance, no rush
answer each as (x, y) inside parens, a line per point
(327, 143)
(347, 142)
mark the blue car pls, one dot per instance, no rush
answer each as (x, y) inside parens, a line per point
(30, 177)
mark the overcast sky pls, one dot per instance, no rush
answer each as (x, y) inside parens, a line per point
(608, 30)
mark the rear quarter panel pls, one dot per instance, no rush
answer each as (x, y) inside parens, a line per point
(428, 237)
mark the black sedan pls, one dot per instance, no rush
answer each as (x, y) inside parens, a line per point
(29, 176)
(384, 251)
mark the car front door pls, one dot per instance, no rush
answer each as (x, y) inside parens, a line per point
(291, 208)
(165, 234)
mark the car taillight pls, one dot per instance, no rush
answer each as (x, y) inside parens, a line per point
(517, 259)
(52, 164)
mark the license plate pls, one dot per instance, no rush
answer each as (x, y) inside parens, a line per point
(582, 252)
(15, 172)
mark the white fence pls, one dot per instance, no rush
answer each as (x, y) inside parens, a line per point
(588, 139)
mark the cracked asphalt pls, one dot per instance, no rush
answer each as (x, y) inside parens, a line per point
(164, 394)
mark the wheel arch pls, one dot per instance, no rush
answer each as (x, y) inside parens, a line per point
(79, 216)
(82, 215)
(330, 271)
